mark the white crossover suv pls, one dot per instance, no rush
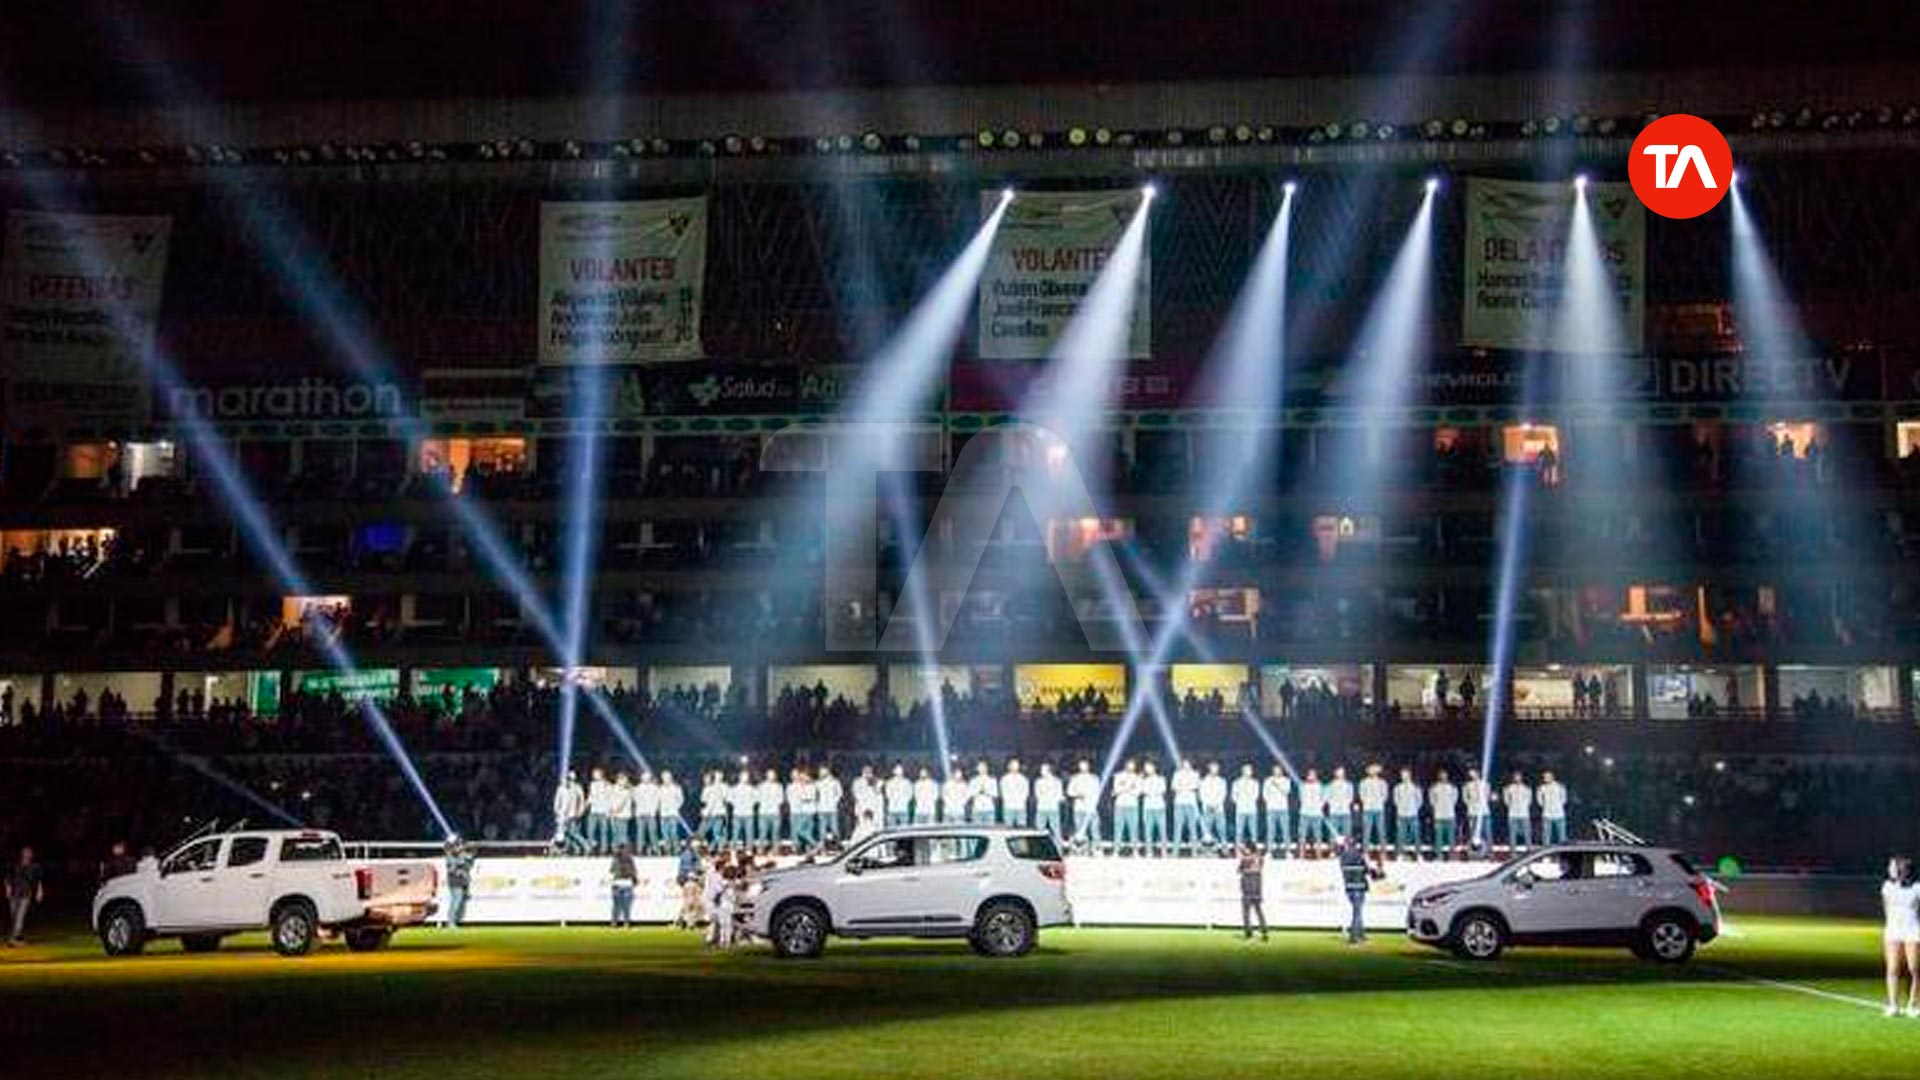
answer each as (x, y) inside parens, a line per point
(994, 885)
(1650, 900)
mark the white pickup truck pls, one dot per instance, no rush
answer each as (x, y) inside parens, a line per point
(297, 884)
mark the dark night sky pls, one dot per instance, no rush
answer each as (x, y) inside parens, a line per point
(68, 50)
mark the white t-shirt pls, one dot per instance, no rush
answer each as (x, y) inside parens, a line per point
(1902, 904)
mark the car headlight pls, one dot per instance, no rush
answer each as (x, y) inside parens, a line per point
(1432, 898)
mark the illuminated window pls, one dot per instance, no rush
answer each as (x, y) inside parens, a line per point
(296, 610)
(1099, 687)
(1069, 539)
(1793, 438)
(455, 458)
(79, 549)
(1332, 531)
(1907, 438)
(1206, 535)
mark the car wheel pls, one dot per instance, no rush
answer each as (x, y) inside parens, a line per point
(368, 939)
(1003, 928)
(123, 931)
(1479, 936)
(294, 928)
(200, 942)
(1669, 939)
(799, 932)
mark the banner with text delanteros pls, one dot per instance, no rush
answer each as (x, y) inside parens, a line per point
(1050, 248)
(1517, 233)
(621, 282)
(79, 296)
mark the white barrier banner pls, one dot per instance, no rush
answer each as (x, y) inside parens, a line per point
(79, 297)
(1105, 891)
(1050, 248)
(621, 282)
(1517, 235)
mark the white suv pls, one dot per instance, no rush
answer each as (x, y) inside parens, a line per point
(1650, 900)
(996, 886)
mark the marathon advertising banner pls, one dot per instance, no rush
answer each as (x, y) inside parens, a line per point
(79, 295)
(1050, 248)
(1517, 234)
(1000, 386)
(297, 398)
(632, 391)
(621, 282)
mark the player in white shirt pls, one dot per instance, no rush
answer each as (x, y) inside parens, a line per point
(1014, 789)
(1552, 796)
(770, 795)
(1186, 807)
(646, 813)
(672, 800)
(827, 796)
(800, 795)
(1048, 794)
(1273, 792)
(569, 805)
(1900, 938)
(620, 811)
(1246, 807)
(1126, 809)
(1407, 798)
(1519, 799)
(954, 795)
(1153, 810)
(1340, 804)
(1213, 806)
(926, 798)
(983, 795)
(743, 799)
(867, 800)
(713, 808)
(1478, 797)
(899, 792)
(1313, 814)
(599, 795)
(1444, 801)
(1084, 790)
(1373, 810)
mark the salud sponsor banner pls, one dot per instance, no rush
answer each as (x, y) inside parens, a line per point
(631, 391)
(620, 282)
(1050, 248)
(297, 398)
(1305, 893)
(79, 295)
(1517, 234)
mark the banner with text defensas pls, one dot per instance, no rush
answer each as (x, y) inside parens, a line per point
(1518, 235)
(79, 298)
(621, 282)
(1049, 250)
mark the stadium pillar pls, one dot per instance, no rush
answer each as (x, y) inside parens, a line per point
(1642, 706)
(1770, 692)
(1379, 678)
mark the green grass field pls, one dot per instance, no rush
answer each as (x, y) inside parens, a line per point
(1787, 998)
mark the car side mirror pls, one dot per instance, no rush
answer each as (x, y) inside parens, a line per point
(856, 867)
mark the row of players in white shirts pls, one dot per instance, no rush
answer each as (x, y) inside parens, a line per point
(818, 790)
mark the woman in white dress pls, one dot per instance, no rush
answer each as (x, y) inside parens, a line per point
(1900, 895)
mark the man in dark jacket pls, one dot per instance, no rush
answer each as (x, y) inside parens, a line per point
(1357, 876)
(459, 877)
(1252, 871)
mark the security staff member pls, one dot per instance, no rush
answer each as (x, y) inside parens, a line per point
(1253, 871)
(1356, 876)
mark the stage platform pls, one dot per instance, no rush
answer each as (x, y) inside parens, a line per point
(1105, 891)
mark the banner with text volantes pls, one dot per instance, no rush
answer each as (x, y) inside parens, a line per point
(621, 282)
(1049, 250)
(79, 298)
(1517, 240)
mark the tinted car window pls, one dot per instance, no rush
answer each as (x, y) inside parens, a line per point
(1556, 867)
(1039, 848)
(954, 849)
(198, 856)
(1618, 864)
(886, 855)
(309, 849)
(247, 850)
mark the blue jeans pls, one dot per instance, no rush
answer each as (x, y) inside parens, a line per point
(742, 827)
(766, 827)
(1246, 826)
(1553, 830)
(1519, 831)
(826, 825)
(598, 831)
(1213, 824)
(1186, 826)
(456, 905)
(1357, 925)
(1373, 827)
(713, 829)
(924, 817)
(666, 832)
(1013, 814)
(1340, 825)
(1048, 818)
(802, 827)
(1279, 828)
(643, 834)
(1153, 832)
(1478, 835)
(623, 905)
(1086, 825)
(1126, 827)
(1443, 834)
(1406, 834)
(574, 836)
(982, 815)
(896, 818)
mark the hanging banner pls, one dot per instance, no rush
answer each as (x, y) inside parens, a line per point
(1049, 250)
(620, 282)
(79, 296)
(1517, 233)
